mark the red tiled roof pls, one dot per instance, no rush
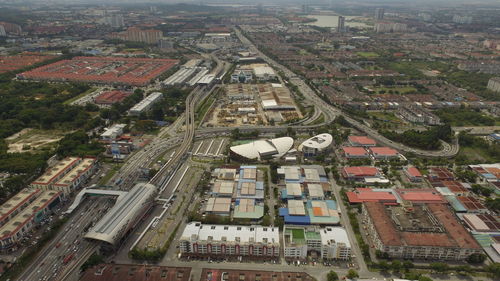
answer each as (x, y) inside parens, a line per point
(471, 203)
(414, 172)
(383, 151)
(354, 150)
(456, 235)
(363, 195)
(362, 140)
(361, 171)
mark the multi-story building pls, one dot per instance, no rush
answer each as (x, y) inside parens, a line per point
(150, 36)
(67, 175)
(494, 84)
(379, 13)
(341, 24)
(419, 115)
(327, 243)
(381, 27)
(24, 210)
(418, 231)
(115, 21)
(462, 19)
(258, 242)
(110, 134)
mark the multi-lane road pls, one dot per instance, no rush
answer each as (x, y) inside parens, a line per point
(67, 246)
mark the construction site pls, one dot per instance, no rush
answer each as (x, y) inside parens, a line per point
(253, 104)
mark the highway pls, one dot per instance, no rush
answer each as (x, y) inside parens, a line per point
(67, 244)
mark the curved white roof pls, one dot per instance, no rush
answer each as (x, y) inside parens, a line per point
(319, 142)
(123, 215)
(260, 148)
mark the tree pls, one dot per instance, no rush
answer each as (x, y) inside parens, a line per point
(384, 266)
(407, 265)
(476, 258)
(396, 265)
(494, 269)
(439, 267)
(351, 274)
(332, 276)
(424, 278)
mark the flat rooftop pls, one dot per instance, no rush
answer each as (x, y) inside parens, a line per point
(218, 205)
(253, 275)
(80, 168)
(19, 220)
(53, 172)
(135, 272)
(454, 235)
(17, 201)
(196, 231)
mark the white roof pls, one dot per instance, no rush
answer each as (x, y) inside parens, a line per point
(293, 189)
(113, 130)
(269, 103)
(296, 208)
(319, 142)
(337, 234)
(196, 231)
(254, 150)
(146, 102)
(263, 70)
(315, 190)
(311, 175)
(111, 227)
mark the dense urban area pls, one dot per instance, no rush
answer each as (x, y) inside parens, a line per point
(263, 141)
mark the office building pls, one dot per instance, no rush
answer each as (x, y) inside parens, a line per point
(326, 243)
(225, 241)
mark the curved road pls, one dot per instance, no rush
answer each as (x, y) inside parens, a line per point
(448, 150)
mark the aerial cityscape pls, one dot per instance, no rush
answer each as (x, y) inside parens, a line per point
(283, 140)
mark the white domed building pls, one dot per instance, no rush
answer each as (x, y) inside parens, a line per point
(262, 149)
(316, 145)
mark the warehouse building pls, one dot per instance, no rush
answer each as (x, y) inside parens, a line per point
(257, 242)
(23, 211)
(67, 175)
(438, 235)
(326, 243)
(145, 104)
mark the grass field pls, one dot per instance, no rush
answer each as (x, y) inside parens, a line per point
(367, 54)
(385, 116)
(472, 154)
(298, 234)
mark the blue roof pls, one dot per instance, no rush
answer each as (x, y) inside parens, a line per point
(456, 204)
(303, 220)
(495, 136)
